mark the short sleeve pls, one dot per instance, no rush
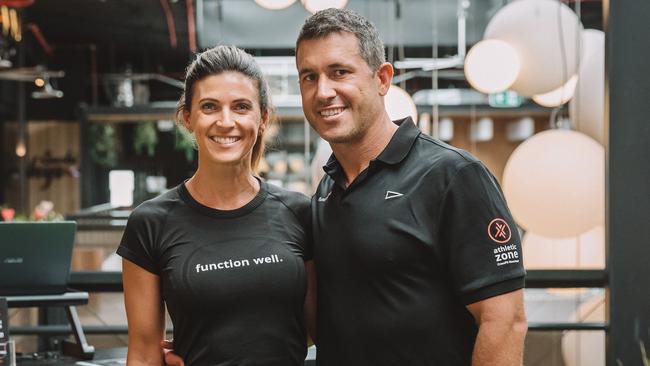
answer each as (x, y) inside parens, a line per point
(479, 237)
(139, 238)
(300, 226)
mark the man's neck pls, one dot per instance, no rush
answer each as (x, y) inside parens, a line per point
(355, 157)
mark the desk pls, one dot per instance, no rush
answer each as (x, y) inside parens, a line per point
(81, 348)
(118, 354)
(100, 356)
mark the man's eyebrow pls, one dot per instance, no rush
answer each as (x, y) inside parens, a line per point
(304, 71)
(337, 65)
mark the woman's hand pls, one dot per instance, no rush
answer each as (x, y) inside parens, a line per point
(171, 358)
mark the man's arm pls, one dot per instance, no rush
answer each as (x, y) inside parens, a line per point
(502, 330)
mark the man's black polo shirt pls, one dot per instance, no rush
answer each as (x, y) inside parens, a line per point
(421, 233)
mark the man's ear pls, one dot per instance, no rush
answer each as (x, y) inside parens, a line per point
(384, 77)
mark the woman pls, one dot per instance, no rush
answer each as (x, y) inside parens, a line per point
(225, 252)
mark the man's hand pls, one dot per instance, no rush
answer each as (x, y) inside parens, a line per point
(171, 358)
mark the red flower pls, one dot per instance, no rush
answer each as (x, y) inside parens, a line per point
(8, 214)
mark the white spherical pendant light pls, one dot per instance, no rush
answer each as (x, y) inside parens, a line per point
(555, 183)
(558, 96)
(544, 33)
(314, 6)
(584, 251)
(587, 108)
(399, 104)
(492, 66)
(274, 4)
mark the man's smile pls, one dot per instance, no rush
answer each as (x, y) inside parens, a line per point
(331, 112)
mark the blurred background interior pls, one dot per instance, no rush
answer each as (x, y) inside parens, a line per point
(88, 90)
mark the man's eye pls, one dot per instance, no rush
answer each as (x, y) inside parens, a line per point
(309, 77)
(242, 107)
(340, 72)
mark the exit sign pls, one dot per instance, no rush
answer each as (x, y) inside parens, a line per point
(506, 99)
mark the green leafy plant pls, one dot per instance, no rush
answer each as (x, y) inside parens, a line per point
(184, 141)
(102, 144)
(145, 139)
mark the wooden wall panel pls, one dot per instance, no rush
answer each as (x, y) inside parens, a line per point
(9, 162)
(59, 138)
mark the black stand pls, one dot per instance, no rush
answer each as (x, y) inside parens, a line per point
(68, 300)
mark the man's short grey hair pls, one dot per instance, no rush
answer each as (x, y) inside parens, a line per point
(328, 21)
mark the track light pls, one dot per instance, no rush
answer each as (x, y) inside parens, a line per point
(46, 91)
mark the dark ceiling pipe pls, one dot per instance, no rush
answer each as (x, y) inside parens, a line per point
(36, 31)
(191, 27)
(49, 50)
(170, 22)
(16, 3)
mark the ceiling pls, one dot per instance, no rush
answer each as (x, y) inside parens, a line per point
(409, 23)
(131, 25)
(124, 23)
(95, 37)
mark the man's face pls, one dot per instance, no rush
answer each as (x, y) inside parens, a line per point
(341, 95)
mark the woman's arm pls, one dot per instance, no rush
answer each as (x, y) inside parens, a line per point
(145, 315)
(310, 300)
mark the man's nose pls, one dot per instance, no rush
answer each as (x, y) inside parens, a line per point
(325, 88)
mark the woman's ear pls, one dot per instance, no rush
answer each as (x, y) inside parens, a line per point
(186, 120)
(266, 115)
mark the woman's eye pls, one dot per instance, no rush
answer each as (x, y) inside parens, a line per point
(208, 107)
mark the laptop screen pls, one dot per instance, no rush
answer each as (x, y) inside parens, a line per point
(35, 257)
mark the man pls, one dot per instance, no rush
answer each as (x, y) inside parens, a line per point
(416, 260)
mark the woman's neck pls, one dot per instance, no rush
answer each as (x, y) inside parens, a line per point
(223, 187)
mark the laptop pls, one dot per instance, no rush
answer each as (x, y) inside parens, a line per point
(35, 257)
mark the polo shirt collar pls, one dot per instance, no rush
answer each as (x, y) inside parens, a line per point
(401, 142)
(396, 150)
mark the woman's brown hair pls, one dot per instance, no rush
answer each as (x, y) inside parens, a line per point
(223, 59)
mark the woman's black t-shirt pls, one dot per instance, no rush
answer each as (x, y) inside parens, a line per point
(234, 281)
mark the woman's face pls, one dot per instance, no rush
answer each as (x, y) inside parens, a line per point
(225, 118)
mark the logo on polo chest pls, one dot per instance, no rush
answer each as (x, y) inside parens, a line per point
(323, 199)
(392, 194)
